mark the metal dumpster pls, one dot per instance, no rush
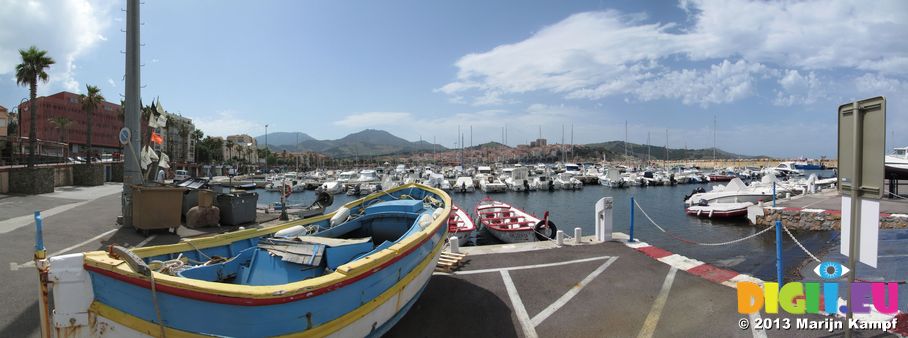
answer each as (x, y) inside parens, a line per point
(156, 207)
(237, 208)
(191, 196)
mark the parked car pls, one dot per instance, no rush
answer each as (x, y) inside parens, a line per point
(180, 175)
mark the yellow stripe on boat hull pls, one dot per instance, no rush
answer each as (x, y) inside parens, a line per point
(152, 329)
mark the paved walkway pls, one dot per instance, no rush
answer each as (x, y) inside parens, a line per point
(833, 201)
(601, 290)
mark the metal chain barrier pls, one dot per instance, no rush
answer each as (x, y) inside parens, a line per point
(800, 245)
(695, 242)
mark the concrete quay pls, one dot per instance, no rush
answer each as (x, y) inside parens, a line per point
(610, 289)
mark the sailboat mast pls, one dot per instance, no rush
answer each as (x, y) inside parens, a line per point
(714, 139)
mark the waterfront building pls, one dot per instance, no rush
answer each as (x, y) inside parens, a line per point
(106, 123)
(4, 121)
(244, 149)
(178, 143)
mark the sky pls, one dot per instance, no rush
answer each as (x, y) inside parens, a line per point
(771, 74)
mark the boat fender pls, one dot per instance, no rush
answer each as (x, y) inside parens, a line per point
(340, 216)
(437, 213)
(540, 228)
(290, 232)
(425, 220)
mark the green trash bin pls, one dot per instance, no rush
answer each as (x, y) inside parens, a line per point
(237, 208)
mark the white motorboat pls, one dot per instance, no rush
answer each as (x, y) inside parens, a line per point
(463, 184)
(737, 192)
(566, 181)
(572, 169)
(333, 187)
(542, 183)
(519, 180)
(611, 178)
(719, 209)
(368, 176)
(490, 184)
(897, 163)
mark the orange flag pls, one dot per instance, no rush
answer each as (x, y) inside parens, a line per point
(156, 138)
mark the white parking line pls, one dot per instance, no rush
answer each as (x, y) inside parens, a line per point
(548, 311)
(14, 266)
(529, 331)
(21, 221)
(652, 319)
(522, 267)
(145, 241)
(753, 328)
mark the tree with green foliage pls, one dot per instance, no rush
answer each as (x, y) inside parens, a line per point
(90, 101)
(34, 62)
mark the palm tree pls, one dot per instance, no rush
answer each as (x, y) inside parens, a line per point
(34, 62)
(62, 124)
(229, 145)
(184, 141)
(90, 102)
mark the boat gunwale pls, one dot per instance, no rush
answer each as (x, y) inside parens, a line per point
(498, 227)
(100, 262)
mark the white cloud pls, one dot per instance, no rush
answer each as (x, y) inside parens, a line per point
(799, 89)
(594, 55)
(227, 122)
(111, 82)
(67, 29)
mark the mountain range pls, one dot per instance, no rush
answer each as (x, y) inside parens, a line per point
(372, 142)
(369, 142)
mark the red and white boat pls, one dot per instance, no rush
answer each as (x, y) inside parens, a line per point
(461, 225)
(719, 210)
(512, 225)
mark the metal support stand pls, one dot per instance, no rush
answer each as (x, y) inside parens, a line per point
(779, 271)
(854, 246)
(41, 265)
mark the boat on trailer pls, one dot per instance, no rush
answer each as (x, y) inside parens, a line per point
(351, 273)
(511, 225)
(461, 225)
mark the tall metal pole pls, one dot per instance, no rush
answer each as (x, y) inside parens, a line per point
(132, 173)
(854, 244)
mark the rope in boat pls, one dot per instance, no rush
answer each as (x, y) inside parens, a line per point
(695, 242)
(157, 308)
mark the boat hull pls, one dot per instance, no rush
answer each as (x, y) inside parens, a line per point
(358, 299)
(706, 213)
(520, 236)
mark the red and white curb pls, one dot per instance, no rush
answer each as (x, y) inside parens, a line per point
(731, 278)
(692, 266)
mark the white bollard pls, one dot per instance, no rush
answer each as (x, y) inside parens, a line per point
(578, 235)
(604, 219)
(559, 238)
(788, 195)
(455, 244)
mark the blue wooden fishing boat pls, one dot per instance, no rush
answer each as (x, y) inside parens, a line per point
(351, 273)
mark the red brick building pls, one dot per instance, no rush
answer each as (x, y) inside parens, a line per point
(106, 122)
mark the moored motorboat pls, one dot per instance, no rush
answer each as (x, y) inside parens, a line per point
(719, 210)
(352, 273)
(511, 225)
(461, 225)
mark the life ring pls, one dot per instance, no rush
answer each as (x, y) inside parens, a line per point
(542, 225)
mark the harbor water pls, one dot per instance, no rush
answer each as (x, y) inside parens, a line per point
(664, 204)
